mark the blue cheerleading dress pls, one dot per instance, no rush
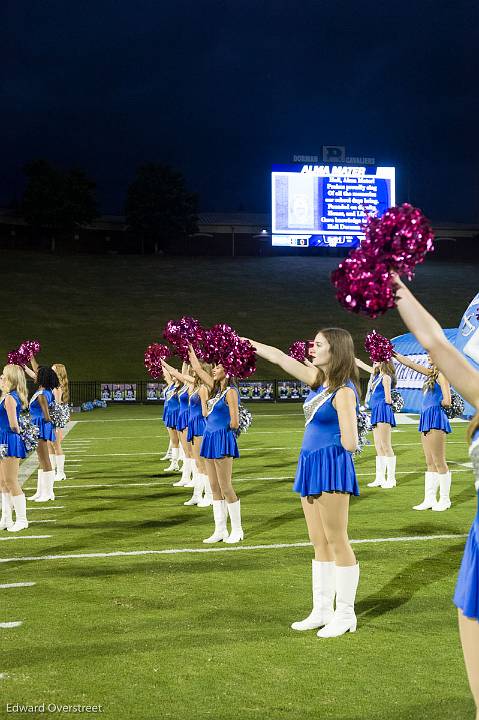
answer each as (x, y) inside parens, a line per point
(196, 423)
(219, 440)
(12, 440)
(184, 413)
(323, 464)
(433, 416)
(466, 596)
(46, 430)
(381, 411)
(171, 409)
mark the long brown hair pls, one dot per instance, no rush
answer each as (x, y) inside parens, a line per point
(61, 373)
(207, 367)
(431, 379)
(387, 368)
(15, 380)
(343, 360)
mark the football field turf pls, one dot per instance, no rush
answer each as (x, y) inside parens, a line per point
(120, 604)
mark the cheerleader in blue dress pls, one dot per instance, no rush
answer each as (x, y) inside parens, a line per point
(381, 382)
(325, 476)
(13, 400)
(465, 379)
(433, 426)
(47, 381)
(196, 428)
(218, 448)
(171, 408)
(189, 471)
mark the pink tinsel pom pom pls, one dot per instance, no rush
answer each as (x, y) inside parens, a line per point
(184, 332)
(299, 350)
(378, 347)
(223, 346)
(15, 358)
(154, 354)
(363, 286)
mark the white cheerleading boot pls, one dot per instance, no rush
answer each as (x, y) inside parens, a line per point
(380, 472)
(52, 460)
(173, 466)
(197, 490)
(431, 484)
(323, 597)
(185, 474)
(60, 468)
(236, 534)
(391, 473)
(167, 455)
(444, 490)
(193, 472)
(344, 618)
(220, 534)
(39, 486)
(207, 498)
(48, 478)
(6, 520)
(20, 506)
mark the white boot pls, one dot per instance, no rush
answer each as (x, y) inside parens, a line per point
(167, 455)
(444, 490)
(173, 466)
(52, 460)
(48, 478)
(219, 515)
(323, 597)
(39, 486)
(344, 618)
(431, 484)
(380, 472)
(391, 473)
(195, 499)
(185, 474)
(236, 534)
(6, 521)
(60, 465)
(20, 506)
(207, 499)
(193, 472)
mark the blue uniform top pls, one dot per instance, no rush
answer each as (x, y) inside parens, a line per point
(431, 398)
(377, 393)
(173, 402)
(35, 408)
(323, 430)
(195, 406)
(4, 422)
(219, 418)
(184, 399)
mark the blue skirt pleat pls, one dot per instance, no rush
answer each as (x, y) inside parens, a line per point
(382, 413)
(171, 418)
(14, 443)
(329, 469)
(196, 428)
(182, 422)
(219, 444)
(434, 418)
(46, 430)
(466, 596)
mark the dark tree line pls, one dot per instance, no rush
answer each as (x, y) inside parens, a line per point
(160, 211)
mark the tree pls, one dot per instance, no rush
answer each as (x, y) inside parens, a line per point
(159, 209)
(56, 200)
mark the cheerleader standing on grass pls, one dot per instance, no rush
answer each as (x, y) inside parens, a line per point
(383, 379)
(14, 399)
(62, 397)
(47, 381)
(455, 367)
(433, 426)
(218, 448)
(325, 477)
(172, 453)
(189, 467)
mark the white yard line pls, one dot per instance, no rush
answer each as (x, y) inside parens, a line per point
(25, 537)
(231, 548)
(37, 522)
(47, 507)
(5, 586)
(6, 625)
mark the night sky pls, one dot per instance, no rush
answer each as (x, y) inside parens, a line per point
(222, 90)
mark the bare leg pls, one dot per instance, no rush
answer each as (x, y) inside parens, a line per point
(382, 437)
(173, 437)
(334, 509)
(314, 523)
(10, 467)
(213, 478)
(437, 447)
(224, 471)
(195, 451)
(57, 445)
(469, 632)
(184, 443)
(43, 456)
(425, 441)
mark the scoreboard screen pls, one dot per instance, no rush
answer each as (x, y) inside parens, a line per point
(325, 205)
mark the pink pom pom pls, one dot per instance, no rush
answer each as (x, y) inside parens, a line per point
(378, 347)
(182, 333)
(15, 358)
(154, 354)
(364, 286)
(28, 349)
(299, 350)
(222, 346)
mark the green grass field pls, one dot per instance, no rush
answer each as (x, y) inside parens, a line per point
(97, 314)
(118, 617)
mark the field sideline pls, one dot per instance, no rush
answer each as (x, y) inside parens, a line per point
(120, 604)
